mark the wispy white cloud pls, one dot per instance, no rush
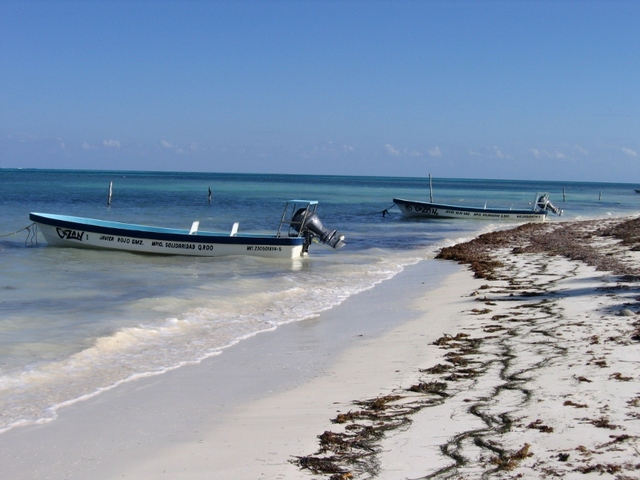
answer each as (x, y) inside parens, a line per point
(547, 154)
(581, 150)
(435, 152)
(327, 149)
(391, 150)
(629, 152)
(312, 152)
(171, 146)
(348, 148)
(494, 152)
(111, 143)
(499, 154)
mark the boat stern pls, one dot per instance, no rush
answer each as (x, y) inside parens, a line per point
(301, 220)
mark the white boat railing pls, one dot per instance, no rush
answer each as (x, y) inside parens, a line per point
(288, 214)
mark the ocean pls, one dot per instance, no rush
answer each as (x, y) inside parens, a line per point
(74, 323)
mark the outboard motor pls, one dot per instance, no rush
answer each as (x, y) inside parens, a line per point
(544, 203)
(313, 226)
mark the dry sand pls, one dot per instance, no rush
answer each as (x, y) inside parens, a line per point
(528, 370)
(542, 380)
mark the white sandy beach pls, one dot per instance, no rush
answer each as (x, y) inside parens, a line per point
(534, 375)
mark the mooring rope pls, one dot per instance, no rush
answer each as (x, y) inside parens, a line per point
(384, 212)
(32, 234)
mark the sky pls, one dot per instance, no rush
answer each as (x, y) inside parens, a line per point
(520, 89)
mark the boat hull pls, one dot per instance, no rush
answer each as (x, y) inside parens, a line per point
(412, 208)
(77, 232)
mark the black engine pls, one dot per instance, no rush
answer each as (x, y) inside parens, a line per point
(308, 223)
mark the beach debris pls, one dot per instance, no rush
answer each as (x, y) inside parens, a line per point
(568, 240)
(538, 425)
(436, 369)
(480, 263)
(617, 439)
(603, 422)
(481, 311)
(322, 465)
(620, 377)
(570, 403)
(353, 451)
(599, 468)
(437, 388)
(509, 461)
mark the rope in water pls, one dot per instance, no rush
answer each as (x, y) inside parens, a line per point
(32, 234)
(384, 212)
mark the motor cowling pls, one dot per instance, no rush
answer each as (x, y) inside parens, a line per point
(305, 222)
(545, 204)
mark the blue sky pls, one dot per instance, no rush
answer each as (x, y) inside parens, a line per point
(518, 89)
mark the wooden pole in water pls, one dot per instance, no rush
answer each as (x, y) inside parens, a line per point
(110, 193)
(209, 194)
(564, 197)
(430, 190)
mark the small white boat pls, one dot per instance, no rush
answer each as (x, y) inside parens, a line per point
(541, 206)
(299, 227)
(414, 208)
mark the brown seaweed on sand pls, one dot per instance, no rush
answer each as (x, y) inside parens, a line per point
(509, 461)
(571, 240)
(492, 358)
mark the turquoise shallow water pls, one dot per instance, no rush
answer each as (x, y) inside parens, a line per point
(76, 322)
